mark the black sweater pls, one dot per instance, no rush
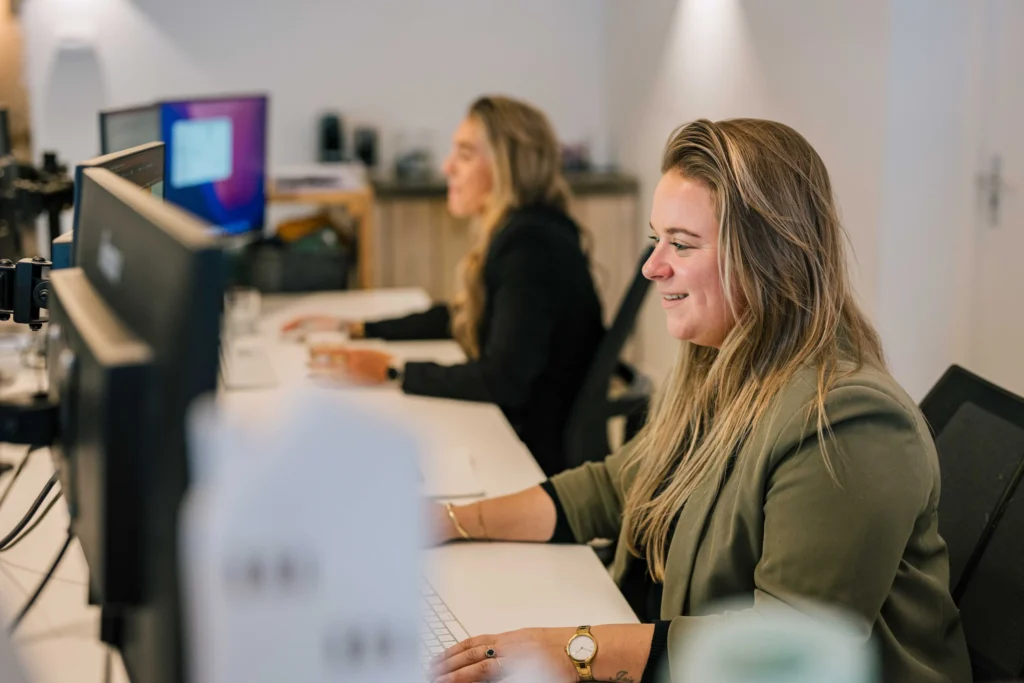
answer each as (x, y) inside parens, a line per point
(540, 327)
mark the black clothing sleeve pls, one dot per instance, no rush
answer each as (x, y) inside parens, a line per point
(431, 324)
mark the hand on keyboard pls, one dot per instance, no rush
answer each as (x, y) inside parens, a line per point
(362, 366)
(540, 651)
(302, 326)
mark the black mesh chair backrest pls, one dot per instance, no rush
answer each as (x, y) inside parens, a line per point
(586, 431)
(979, 434)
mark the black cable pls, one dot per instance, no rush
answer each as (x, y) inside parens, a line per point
(108, 665)
(31, 511)
(31, 527)
(42, 584)
(17, 473)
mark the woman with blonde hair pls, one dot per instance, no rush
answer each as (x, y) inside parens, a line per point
(781, 465)
(527, 314)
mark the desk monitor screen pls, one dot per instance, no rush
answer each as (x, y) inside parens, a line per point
(142, 165)
(122, 129)
(133, 341)
(216, 160)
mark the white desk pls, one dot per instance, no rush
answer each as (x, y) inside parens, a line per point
(490, 587)
(502, 461)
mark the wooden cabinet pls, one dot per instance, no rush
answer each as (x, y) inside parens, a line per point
(418, 244)
(611, 222)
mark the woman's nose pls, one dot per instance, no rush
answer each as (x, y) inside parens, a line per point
(656, 268)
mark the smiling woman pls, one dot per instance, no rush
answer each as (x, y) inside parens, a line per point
(781, 465)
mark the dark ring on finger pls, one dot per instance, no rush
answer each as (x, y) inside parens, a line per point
(490, 653)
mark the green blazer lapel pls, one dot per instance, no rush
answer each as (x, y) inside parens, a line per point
(682, 552)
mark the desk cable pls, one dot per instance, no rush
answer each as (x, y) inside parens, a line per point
(42, 584)
(36, 504)
(31, 527)
(17, 473)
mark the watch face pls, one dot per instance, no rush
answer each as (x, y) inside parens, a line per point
(582, 648)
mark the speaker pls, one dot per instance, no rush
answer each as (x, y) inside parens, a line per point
(332, 138)
(364, 142)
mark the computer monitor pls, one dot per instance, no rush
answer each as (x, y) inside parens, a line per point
(216, 160)
(142, 165)
(134, 339)
(122, 129)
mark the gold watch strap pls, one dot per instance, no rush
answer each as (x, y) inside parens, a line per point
(583, 668)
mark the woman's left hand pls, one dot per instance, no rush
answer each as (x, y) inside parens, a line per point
(363, 366)
(540, 650)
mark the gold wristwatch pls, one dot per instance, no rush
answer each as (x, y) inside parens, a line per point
(582, 649)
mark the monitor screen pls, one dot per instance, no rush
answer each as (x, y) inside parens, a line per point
(122, 129)
(216, 160)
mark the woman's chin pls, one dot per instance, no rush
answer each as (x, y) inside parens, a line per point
(457, 208)
(680, 331)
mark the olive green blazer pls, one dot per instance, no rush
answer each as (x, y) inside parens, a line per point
(778, 529)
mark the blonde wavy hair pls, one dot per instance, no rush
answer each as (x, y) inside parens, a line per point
(526, 166)
(782, 263)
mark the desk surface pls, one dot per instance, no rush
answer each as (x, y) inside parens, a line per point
(541, 585)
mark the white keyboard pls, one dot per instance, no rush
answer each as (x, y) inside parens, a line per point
(439, 629)
(246, 365)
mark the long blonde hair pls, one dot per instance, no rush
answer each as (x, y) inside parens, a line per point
(526, 169)
(783, 267)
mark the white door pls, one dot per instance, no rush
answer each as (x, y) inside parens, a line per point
(996, 335)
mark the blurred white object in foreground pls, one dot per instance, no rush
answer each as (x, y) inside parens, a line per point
(300, 546)
(778, 645)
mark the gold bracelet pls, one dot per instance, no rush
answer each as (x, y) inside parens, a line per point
(458, 527)
(480, 518)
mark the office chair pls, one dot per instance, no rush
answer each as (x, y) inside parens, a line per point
(586, 433)
(979, 434)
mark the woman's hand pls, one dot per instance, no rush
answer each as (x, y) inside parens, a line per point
(363, 366)
(534, 653)
(303, 325)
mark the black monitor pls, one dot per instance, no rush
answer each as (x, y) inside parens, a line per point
(142, 165)
(122, 129)
(134, 339)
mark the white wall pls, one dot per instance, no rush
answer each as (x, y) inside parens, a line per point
(819, 67)
(399, 64)
(924, 242)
